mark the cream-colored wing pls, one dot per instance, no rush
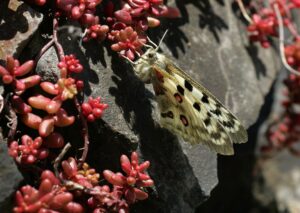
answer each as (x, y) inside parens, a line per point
(184, 115)
(223, 116)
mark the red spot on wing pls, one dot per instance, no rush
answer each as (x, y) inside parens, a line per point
(159, 76)
(178, 97)
(184, 120)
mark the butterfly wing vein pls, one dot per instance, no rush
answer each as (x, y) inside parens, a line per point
(191, 111)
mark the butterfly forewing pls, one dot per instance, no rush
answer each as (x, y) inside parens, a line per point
(187, 108)
(194, 124)
(224, 117)
(190, 110)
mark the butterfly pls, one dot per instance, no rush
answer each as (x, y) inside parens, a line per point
(186, 107)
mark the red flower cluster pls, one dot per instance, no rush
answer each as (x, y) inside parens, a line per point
(53, 196)
(49, 197)
(70, 64)
(264, 21)
(93, 109)
(292, 54)
(82, 10)
(139, 13)
(126, 189)
(134, 18)
(107, 200)
(42, 109)
(128, 42)
(13, 70)
(86, 177)
(129, 24)
(96, 31)
(286, 131)
(135, 178)
(29, 151)
(262, 27)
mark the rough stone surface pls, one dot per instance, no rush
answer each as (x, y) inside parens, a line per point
(47, 66)
(279, 184)
(18, 23)
(208, 42)
(9, 179)
(276, 185)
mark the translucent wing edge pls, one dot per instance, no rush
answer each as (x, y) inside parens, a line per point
(239, 133)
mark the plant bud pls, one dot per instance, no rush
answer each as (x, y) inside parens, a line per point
(49, 88)
(19, 105)
(53, 106)
(24, 68)
(31, 81)
(62, 119)
(39, 101)
(54, 140)
(46, 127)
(31, 120)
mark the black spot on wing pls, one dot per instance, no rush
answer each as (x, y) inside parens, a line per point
(217, 112)
(216, 135)
(180, 89)
(204, 99)
(197, 106)
(207, 121)
(167, 114)
(170, 114)
(228, 124)
(188, 85)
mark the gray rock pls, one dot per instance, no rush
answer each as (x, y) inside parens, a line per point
(210, 44)
(278, 185)
(10, 179)
(18, 23)
(47, 66)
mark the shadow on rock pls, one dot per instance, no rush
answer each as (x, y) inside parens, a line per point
(210, 20)
(9, 27)
(93, 51)
(176, 39)
(234, 190)
(176, 185)
(260, 68)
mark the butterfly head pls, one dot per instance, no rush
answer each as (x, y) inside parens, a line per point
(143, 66)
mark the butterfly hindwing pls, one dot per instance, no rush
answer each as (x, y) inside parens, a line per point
(223, 116)
(183, 114)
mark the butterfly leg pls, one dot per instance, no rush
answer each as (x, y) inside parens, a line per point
(129, 60)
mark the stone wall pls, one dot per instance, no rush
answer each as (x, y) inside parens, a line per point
(209, 41)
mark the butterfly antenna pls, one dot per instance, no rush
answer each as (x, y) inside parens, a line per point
(151, 42)
(162, 38)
